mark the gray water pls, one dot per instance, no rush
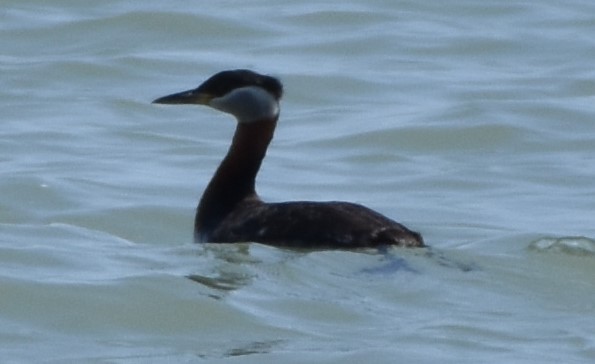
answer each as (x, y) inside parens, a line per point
(469, 121)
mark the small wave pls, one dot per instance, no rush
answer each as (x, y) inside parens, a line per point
(571, 245)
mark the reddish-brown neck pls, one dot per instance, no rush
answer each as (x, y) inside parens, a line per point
(235, 178)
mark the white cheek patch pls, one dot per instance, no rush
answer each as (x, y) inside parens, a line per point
(248, 104)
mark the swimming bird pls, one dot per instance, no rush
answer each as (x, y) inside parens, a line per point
(230, 210)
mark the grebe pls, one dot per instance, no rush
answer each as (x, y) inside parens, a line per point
(231, 211)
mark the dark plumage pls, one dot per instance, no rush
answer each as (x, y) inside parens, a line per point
(306, 224)
(231, 211)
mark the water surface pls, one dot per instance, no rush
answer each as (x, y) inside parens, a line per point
(471, 122)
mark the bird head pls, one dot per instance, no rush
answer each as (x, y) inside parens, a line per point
(247, 95)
